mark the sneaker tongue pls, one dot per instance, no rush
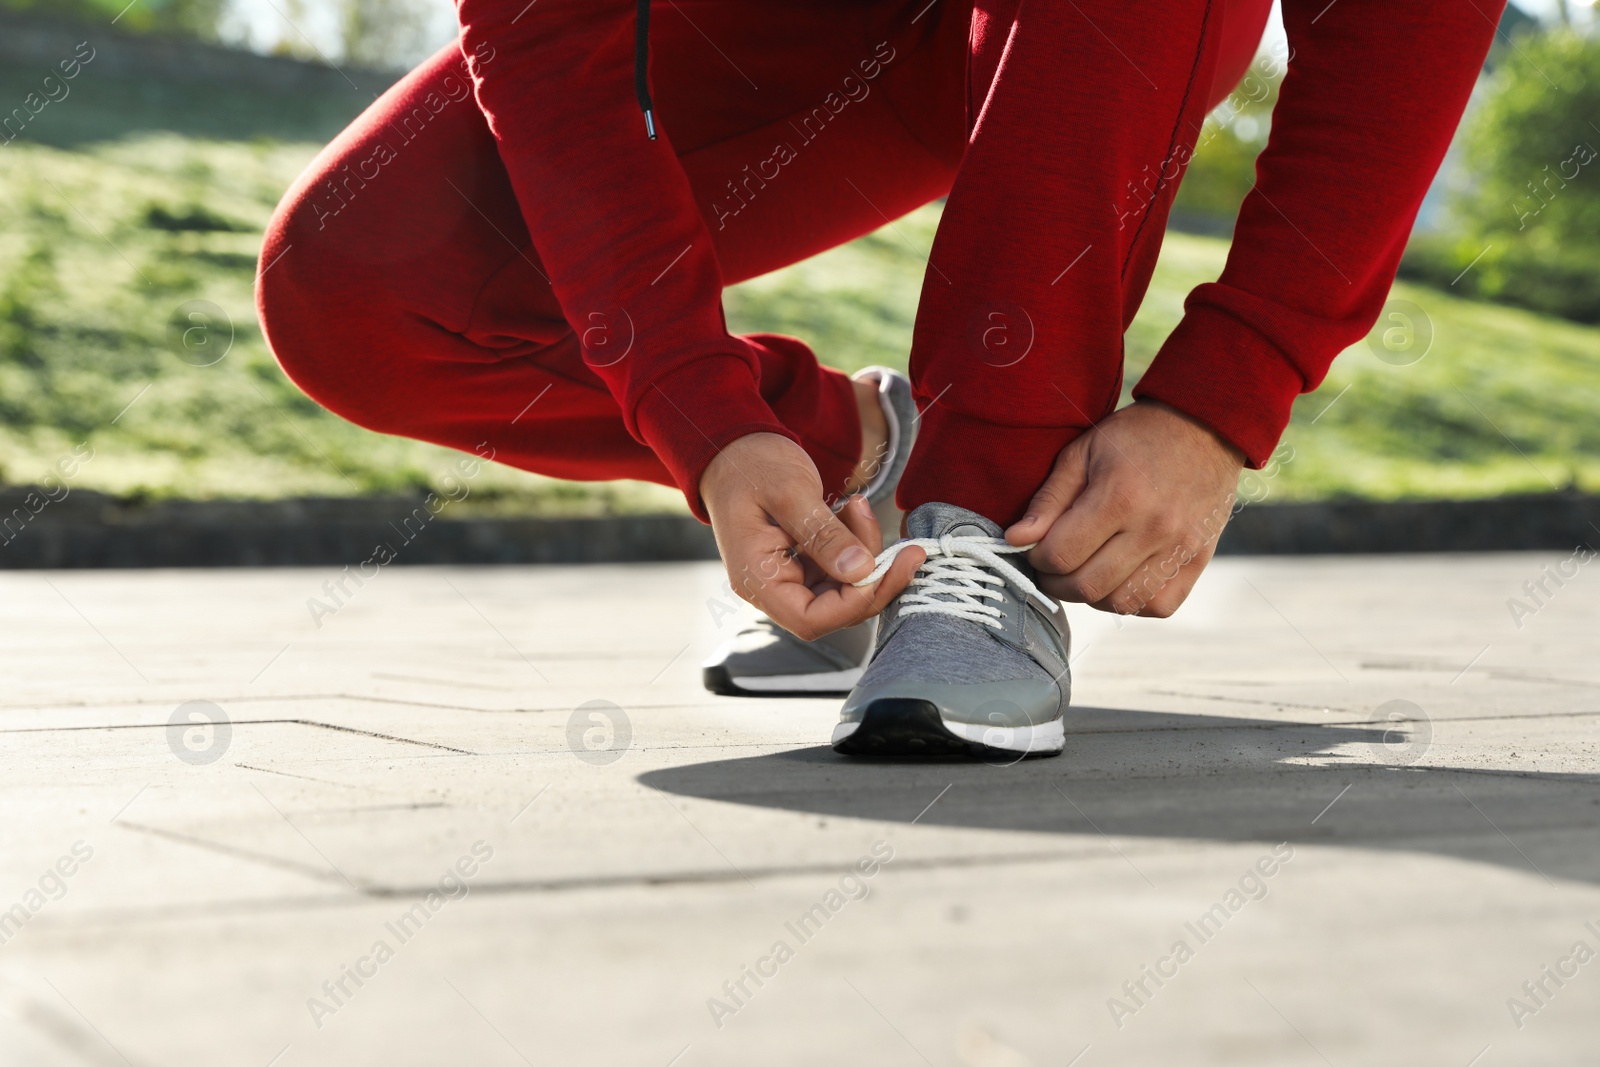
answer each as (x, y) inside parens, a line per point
(936, 520)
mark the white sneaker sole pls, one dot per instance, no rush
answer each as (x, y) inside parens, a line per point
(825, 682)
(819, 682)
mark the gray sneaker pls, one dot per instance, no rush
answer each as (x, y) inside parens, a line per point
(764, 659)
(971, 659)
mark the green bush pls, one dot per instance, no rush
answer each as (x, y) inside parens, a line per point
(1528, 221)
(1223, 169)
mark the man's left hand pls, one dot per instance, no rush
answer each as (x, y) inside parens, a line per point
(1131, 513)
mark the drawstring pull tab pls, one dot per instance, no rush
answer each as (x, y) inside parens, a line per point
(641, 67)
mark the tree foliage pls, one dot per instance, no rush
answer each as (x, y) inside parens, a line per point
(378, 33)
(385, 33)
(1223, 170)
(1529, 217)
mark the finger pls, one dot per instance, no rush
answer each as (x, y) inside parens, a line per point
(1144, 585)
(755, 575)
(865, 601)
(1103, 574)
(1099, 513)
(1066, 481)
(820, 535)
(809, 614)
(857, 516)
(859, 519)
(793, 591)
(844, 606)
(1176, 590)
(757, 555)
(1159, 584)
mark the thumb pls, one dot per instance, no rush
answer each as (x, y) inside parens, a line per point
(858, 518)
(822, 538)
(1067, 479)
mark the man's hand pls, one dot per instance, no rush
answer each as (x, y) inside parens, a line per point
(785, 550)
(1130, 515)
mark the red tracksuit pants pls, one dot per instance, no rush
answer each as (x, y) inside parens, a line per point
(413, 301)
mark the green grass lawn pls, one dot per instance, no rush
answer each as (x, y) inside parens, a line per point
(119, 213)
(1504, 400)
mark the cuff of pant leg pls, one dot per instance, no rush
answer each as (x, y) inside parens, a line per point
(691, 413)
(981, 466)
(816, 403)
(1218, 370)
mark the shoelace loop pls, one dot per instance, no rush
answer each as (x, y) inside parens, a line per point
(959, 576)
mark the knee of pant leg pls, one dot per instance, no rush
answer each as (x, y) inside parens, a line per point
(312, 306)
(289, 301)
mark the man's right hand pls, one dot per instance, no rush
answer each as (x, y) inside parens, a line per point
(786, 551)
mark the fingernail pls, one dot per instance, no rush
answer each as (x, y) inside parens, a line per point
(1027, 519)
(853, 559)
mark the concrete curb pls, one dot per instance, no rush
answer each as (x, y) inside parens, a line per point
(85, 529)
(1497, 524)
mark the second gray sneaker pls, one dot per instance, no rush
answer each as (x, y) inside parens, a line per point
(765, 660)
(972, 659)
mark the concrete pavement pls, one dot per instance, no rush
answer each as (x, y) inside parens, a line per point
(1337, 811)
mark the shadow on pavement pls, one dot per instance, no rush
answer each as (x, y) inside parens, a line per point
(1202, 777)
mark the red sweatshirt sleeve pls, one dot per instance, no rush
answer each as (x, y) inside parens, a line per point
(1373, 94)
(613, 220)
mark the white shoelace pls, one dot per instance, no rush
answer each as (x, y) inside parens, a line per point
(953, 581)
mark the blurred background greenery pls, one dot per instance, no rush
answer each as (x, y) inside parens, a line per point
(139, 193)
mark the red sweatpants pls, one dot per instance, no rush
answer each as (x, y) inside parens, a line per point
(402, 290)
